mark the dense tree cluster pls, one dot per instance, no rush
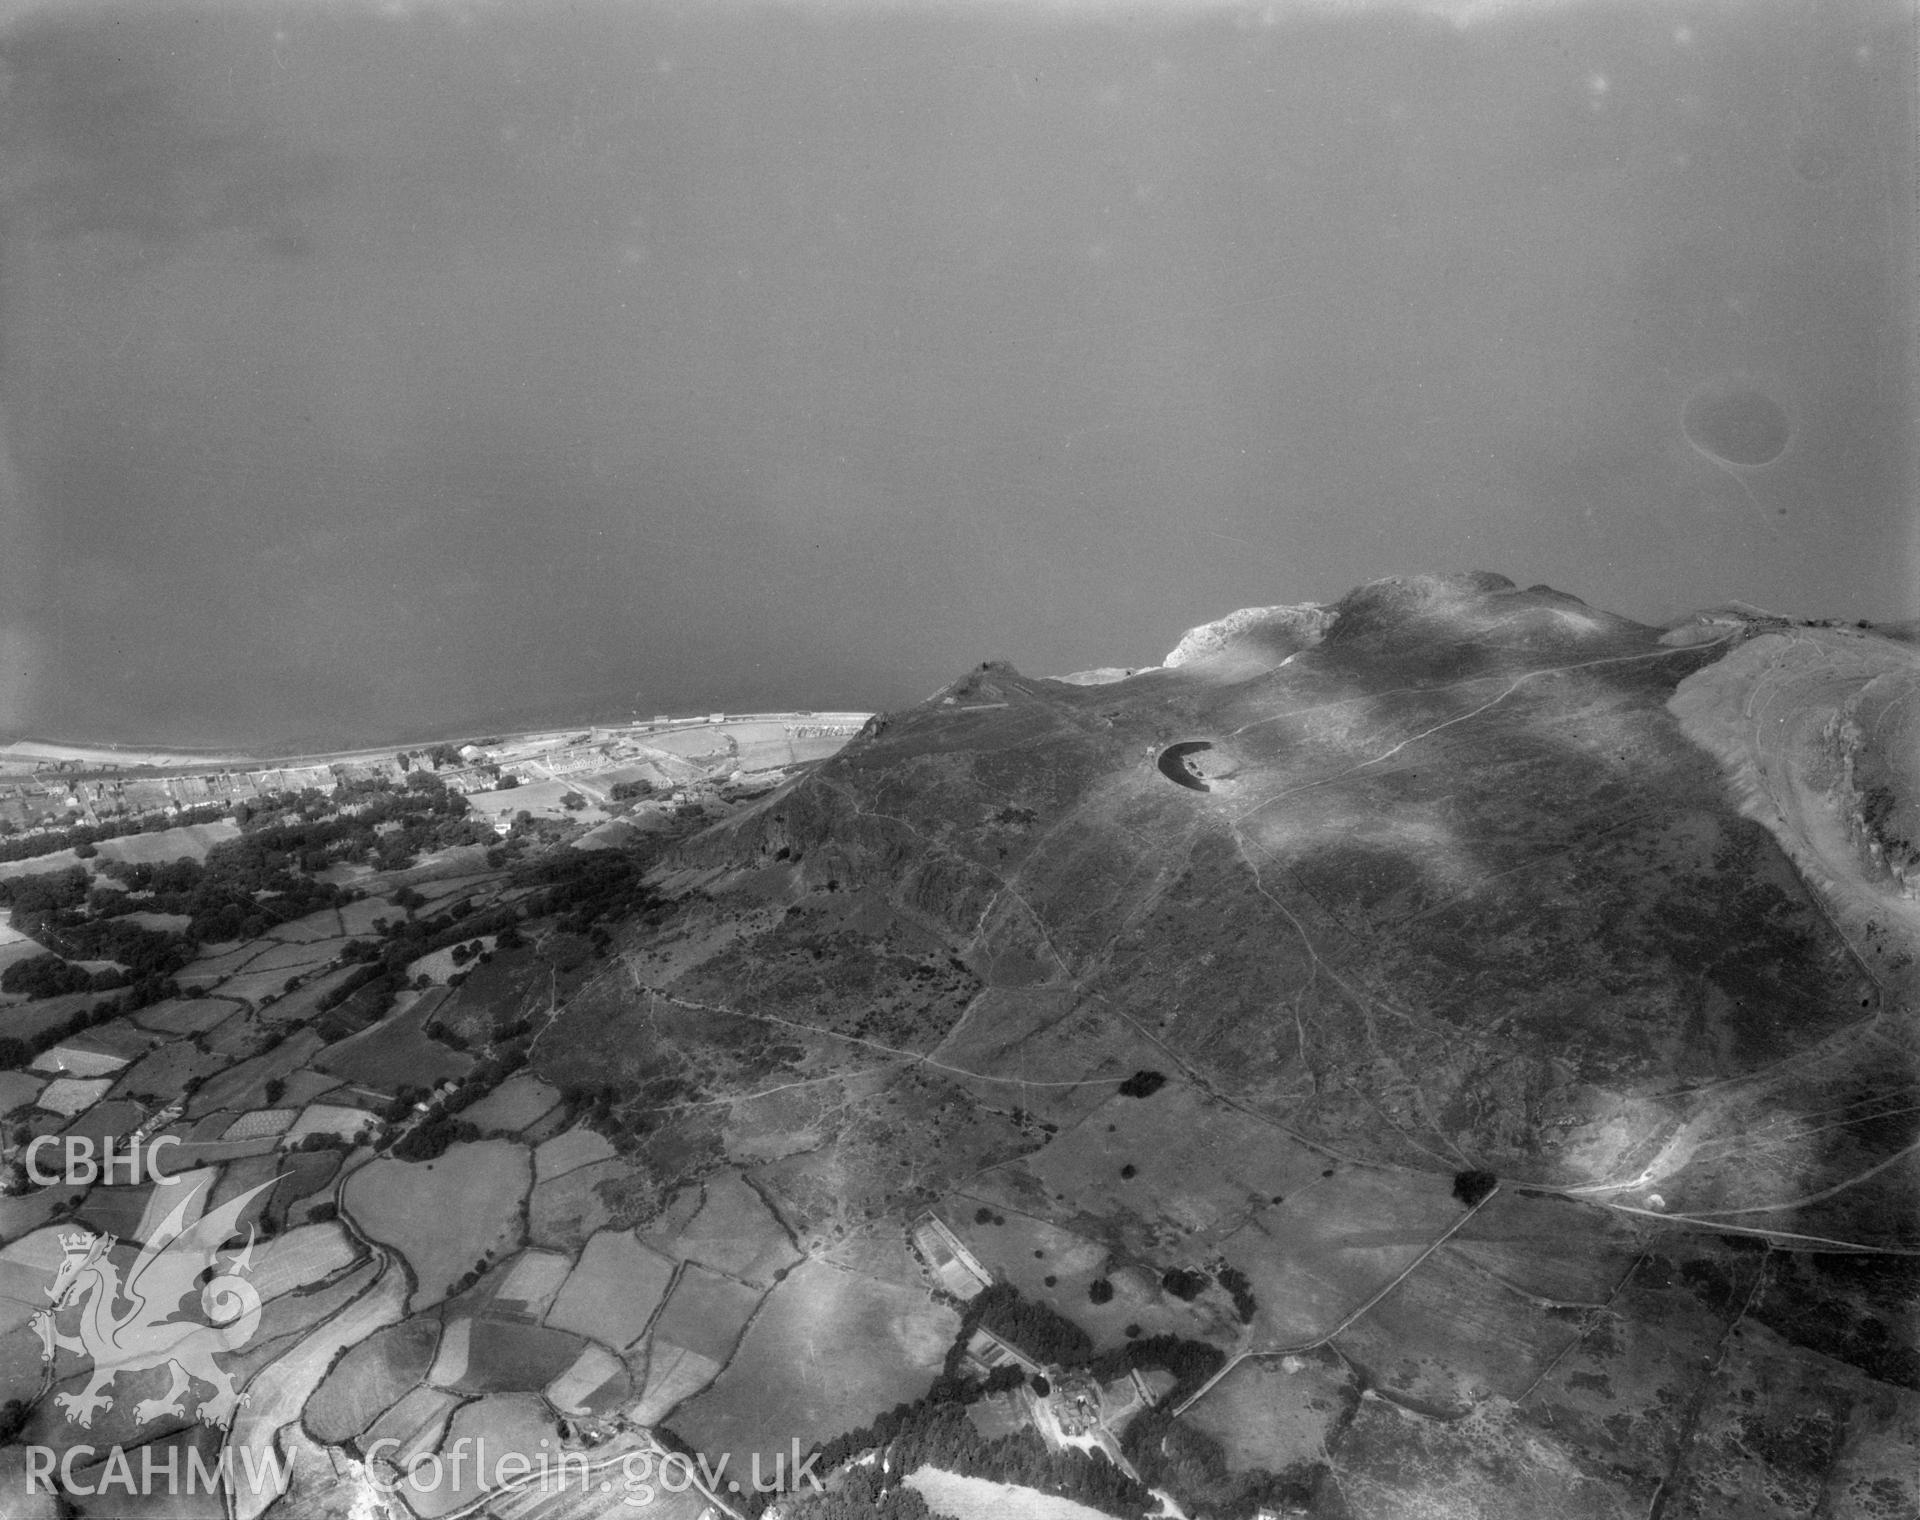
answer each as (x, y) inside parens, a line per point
(76, 924)
(1235, 1282)
(1472, 1188)
(1190, 1362)
(581, 888)
(860, 1496)
(240, 891)
(16, 1052)
(45, 976)
(441, 1126)
(1039, 1331)
(82, 835)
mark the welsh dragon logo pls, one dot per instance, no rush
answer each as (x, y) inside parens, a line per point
(130, 1326)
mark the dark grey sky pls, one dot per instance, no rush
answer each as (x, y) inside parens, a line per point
(371, 373)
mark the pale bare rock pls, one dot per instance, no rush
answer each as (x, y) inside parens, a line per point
(1296, 627)
(1775, 713)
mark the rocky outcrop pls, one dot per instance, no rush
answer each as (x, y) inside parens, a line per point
(1874, 741)
(1274, 631)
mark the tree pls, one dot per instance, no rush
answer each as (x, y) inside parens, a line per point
(1473, 1188)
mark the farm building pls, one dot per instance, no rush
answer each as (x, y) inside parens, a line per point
(958, 1269)
(988, 1352)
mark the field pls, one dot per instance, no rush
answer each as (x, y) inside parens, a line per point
(329, 1119)
(705, 1312)
(191, 841)
(1180, 1181)
(614, 1290)
(186, 1015)
(564, 1153)
(166, 923)
(261, 1122)
(244, 1175)
(596, 1379)
(325, 924)
(238, 1036)
(506, 1422)
(514, 1104)
(532, 1281)
(304, 1086)
(356, 918)
(510, 1356)
(25, 1021)
(443, 1215)
(262, 985)
(277, 1392)
(1271, 1412)
(734, 1232)
(828, 1352)
(73, 1095)
(439, 964)
(1052, 1265)
(168, 1070)
(1489, 1465)
(26, 1266)
(81, 1058)
(59, 860)
(450, 1361)
(302, 1258)
(117, 1210)
(674, 1375)
(238, 1087)
(108, 1497)
(16, 1088)
(417, 1421)
(966, 1498)
(396, 1051)
(293, 955)
(307, 1173)
(540, 798)
(566, 1210)
(293, 1314)
(304, 1001)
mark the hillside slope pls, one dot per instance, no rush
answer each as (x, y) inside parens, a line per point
(1443, 876)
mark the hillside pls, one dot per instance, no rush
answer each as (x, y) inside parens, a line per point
(1449, 1051)
(1443, 876)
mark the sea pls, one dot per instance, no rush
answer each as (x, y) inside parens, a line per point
(383, 371)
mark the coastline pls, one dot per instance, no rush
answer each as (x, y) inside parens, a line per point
(23, 755)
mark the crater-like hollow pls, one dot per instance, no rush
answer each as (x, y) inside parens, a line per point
(1173, 763)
